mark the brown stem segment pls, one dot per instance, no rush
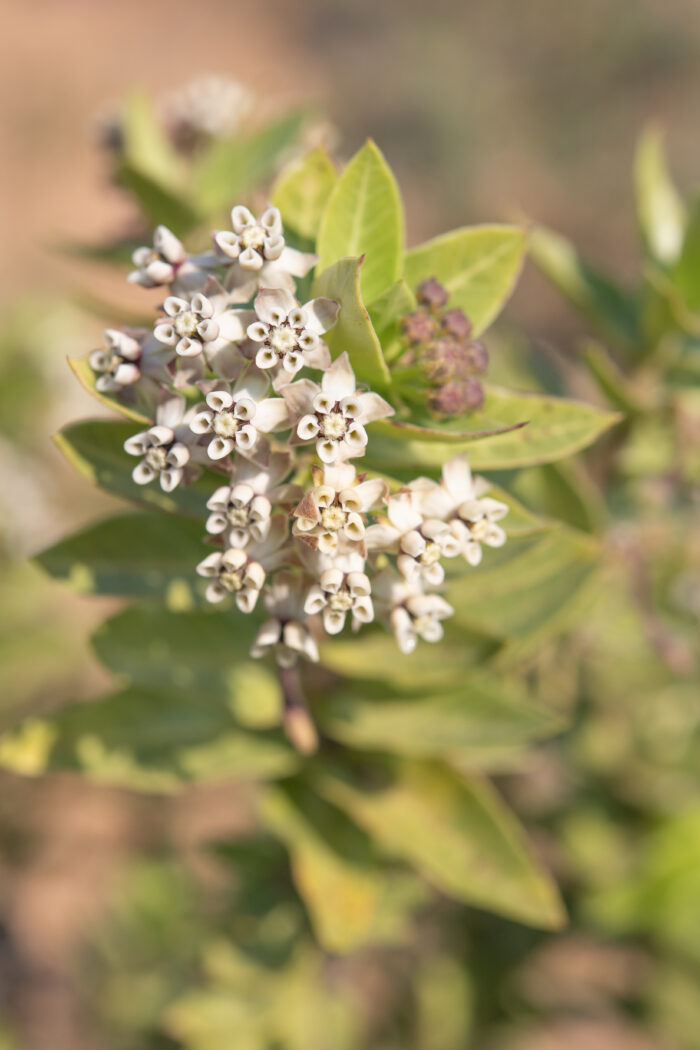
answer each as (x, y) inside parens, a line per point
(297, 722)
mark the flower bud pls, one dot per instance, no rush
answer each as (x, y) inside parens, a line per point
(456, 324)
(432, 294)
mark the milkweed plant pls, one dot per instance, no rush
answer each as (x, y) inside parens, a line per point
(331, 589)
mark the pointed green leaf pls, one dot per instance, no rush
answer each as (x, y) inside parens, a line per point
(593, 293)
(494, 435)
(526, 588)
(302, 191)
(147, 741)
(96, 449)
(364, 216)
(133, 554)
(353, 331)
(479, 720)
(660, 208)
(685, 275)
(479, 266)
(159, 203)
(230, 168)
(153, 646)
(456, 832)
(147, 148)
(346, 894)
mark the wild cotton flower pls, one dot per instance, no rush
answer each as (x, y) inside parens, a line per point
(117, 365)
(289, 335)
(163, 447)
(335, 412)
(236, 415)
(409, 611)
(332, 514)
(243, 508)
(343, 588)
(257, 255)
(202, 322)
(418, 542)
(242, 572)
(167, 263)
(286, 633)
(460, 501)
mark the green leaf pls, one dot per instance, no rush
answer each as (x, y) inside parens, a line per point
(96, 449)
(495, 437)
(527, 588)
(153, 646)
(302, 191)
(479, 266)
(133, 554)
(478, 720)
(353, 331)
(685, 275)
(232, 167)
(346, 894)
(80, 367)
(594, 294)
(660, 208)
(159, 203)
(147, 741)
(564, 491)
(456, 832)
(388, 308)
(364, 216)
(612, 382)
(147, 149)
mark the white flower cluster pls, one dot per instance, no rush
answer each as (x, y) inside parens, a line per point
(315, 542)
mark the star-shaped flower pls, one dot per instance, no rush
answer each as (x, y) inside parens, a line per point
(243, 508)
(236, 415)
(242, 572)
(419, 543)
(289, 335)
(257, 254)
(331, 516)
(459, 500)
(334, 414)
(410, 612)
(167, 263)
(343, 587)
(117, 365)
(163, 447)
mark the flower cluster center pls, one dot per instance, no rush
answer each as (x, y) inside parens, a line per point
(157, 458)
(225, 424)
(283, 339)
(186, 323)
(333, 425)
(333, 518)
(253, 237)
(341, 602)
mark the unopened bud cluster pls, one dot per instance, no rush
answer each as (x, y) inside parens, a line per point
(237, 378)
(440, 342)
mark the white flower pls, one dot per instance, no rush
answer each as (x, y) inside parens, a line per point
(258, 255)
(334, 414)
(418, 543)
(286, 632)
(411, 614)
(209, 105)
(165, 453)
(117, 365)
(235, 416)
(242, 572)
(331, 514)
(243, 508)
(343, 587)
(289, 334)
(167, 262)
(459, 501)
(202, 322)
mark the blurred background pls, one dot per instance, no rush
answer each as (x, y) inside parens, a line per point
(486, 111)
